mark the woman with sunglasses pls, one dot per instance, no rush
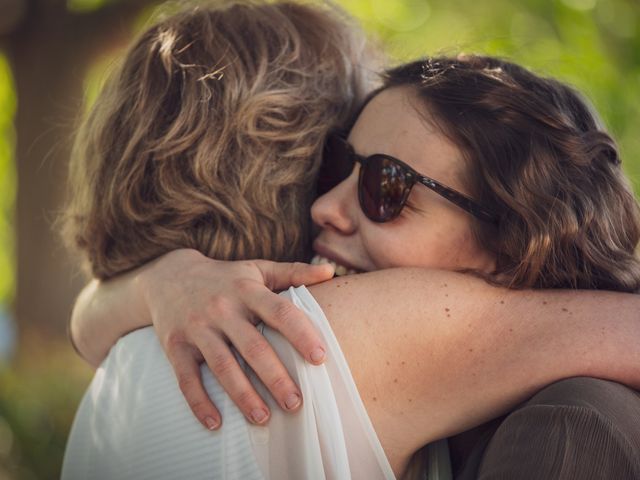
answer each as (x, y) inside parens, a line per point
(487, 208)
(539, 201)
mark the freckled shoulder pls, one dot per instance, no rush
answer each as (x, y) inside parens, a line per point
(386, 323)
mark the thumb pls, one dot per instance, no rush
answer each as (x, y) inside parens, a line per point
(280, 275)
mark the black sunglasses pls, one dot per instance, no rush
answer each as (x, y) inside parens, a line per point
(384, 182)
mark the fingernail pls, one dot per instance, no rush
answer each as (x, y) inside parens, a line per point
(258, 415)
(211, 423)
(292, 401)
(317, 355)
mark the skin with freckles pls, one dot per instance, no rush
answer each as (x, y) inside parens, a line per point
(430, 231)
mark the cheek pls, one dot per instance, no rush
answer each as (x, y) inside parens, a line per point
(398, 245)
(428, 246)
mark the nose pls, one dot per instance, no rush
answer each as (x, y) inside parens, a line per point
(337, 209)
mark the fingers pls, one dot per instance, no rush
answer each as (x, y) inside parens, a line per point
(278, 276)
(282, 315)
(187, 370)
(201, 327)
(232, 378)
(255, 349)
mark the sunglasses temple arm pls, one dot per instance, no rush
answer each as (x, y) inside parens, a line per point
(460, 200)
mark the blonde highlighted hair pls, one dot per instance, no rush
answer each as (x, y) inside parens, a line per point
(210, 134)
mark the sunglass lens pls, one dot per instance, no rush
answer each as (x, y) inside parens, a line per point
(382, 188)
(337, 163)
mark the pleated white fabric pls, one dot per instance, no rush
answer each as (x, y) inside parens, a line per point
(133, 422)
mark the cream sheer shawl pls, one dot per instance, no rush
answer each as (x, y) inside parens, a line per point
(134, 423)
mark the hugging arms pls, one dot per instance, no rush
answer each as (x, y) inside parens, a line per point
(432, 232)
(464, 350)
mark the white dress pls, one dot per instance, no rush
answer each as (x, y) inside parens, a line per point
(133, 422)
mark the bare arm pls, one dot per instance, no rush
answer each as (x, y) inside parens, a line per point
(104, 312)
(435, 353)
(190, 291)
(187, 316)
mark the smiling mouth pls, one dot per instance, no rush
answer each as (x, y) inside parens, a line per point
(340, 270)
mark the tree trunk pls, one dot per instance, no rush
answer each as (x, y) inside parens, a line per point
(50, 53)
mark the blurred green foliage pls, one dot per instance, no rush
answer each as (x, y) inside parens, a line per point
(592, 44)
(38, 399)
(7, 181)
(84, 6)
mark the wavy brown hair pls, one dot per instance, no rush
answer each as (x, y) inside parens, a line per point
(209, 134)
(539, 157)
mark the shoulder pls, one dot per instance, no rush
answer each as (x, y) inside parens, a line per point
(395, 327)
(387, 307)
